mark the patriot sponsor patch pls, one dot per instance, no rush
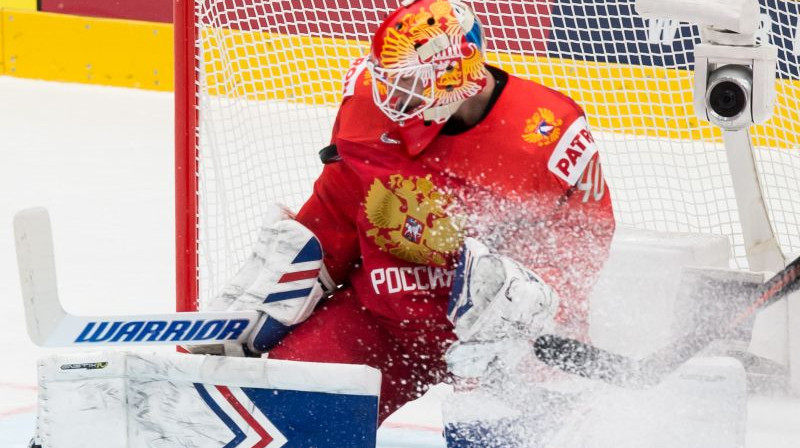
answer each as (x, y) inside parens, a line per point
(573, 152)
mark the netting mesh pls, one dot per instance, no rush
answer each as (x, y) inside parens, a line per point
(269, 79)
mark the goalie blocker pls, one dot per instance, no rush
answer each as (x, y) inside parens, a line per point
(277, 288)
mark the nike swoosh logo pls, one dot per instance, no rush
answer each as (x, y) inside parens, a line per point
(388, 140)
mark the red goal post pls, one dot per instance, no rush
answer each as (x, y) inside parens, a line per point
(185, 155)
(257, 83)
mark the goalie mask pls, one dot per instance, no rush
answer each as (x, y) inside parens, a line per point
(426, 59)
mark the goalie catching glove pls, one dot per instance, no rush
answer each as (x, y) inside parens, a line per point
(497, 306)
(284, 278)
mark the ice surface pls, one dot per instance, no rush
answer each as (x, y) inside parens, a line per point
(100, 159)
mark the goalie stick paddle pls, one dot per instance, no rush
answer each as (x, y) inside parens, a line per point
(50, 326)
(588, 361)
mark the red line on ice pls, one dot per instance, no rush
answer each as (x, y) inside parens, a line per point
(17, 411)
(414, 427)
(19, 386)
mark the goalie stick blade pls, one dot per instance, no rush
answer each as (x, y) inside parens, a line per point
(195, 328)
(669, 358)
(50, 326)
(37, 273)
(588, 361)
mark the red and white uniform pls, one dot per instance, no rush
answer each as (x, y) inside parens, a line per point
(526, 180)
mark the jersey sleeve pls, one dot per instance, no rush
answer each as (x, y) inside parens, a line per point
(582, 224)
(329, 213)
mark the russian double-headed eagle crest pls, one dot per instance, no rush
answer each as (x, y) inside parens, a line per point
(543, 128)
(409, 220)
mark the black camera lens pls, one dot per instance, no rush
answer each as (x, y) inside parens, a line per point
(727, 99)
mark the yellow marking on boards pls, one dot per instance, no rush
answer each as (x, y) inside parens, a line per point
(2, 44)
(60, 47)
(26, 5)
(635, 100)
(630, 99)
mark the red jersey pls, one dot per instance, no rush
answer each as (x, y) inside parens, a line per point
(526, 180)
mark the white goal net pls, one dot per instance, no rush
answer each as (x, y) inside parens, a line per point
(268, 73)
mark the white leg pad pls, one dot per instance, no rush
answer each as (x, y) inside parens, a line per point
(133, 400)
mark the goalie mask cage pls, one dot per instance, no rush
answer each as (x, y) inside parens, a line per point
(258, 82)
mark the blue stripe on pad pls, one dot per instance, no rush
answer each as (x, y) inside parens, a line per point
(286, 295)
(270, 333)
(310, 252)
(238, 434)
